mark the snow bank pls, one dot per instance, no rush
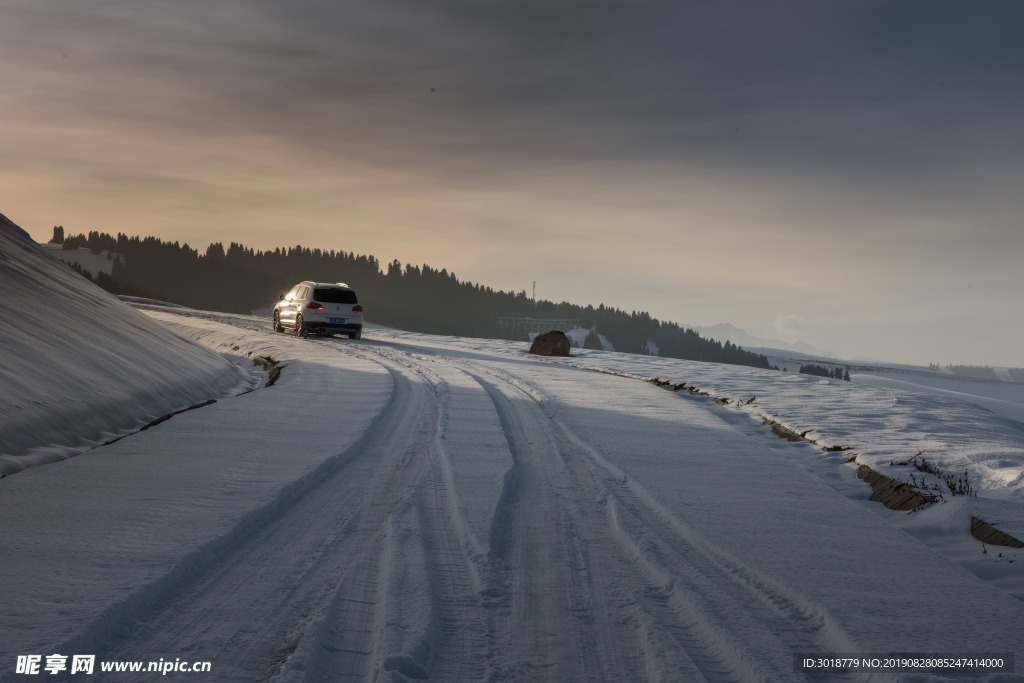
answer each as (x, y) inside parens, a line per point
(140, 517)
(83, 366)
(880, 423)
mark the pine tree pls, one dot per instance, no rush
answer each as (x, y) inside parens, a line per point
(58, 235)
(817, 370)
(592, 341)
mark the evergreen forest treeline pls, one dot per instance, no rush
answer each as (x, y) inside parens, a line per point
(980, 372)
(822, 371)
(419, 299)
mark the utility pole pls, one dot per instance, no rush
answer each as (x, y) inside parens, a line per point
(535, 290)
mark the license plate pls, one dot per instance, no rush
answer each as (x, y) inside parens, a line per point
(340, 321)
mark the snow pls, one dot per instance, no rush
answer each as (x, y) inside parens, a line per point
(579, 335)
(94, 263)
(1003, 399)
(143, 513)
(956, 431)
(409, 506)
(81, 367)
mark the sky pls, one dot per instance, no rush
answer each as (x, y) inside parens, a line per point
(847, 174)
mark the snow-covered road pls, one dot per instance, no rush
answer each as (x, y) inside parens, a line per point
(408, 508)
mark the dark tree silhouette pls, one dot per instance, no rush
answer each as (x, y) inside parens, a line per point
(592, 341)
(239, 279)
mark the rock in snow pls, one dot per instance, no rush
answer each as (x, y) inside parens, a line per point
(553, 343)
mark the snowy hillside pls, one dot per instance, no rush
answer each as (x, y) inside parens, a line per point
(94, 263)
(80, 366)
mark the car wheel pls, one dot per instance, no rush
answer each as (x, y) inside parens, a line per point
(356, 335)
(277, 322)
(300, 331)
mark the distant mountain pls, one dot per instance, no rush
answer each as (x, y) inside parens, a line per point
(726, 331)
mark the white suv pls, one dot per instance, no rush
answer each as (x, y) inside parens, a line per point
(324, 308)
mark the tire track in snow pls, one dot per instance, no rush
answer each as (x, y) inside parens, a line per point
(458, 644)
(449, 639)
(562, 611)
(198, 601)
(688, 586)
(458, 633)
(681, 592)
(378, 619)
(537, 600)
(557, 619)
(254, 602)
(350, 642)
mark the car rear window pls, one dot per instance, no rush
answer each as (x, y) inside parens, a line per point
(334, 296)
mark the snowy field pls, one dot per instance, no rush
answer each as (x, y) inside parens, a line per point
(413, 507)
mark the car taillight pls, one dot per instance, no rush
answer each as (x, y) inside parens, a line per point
(357, 309)
(313, 304)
